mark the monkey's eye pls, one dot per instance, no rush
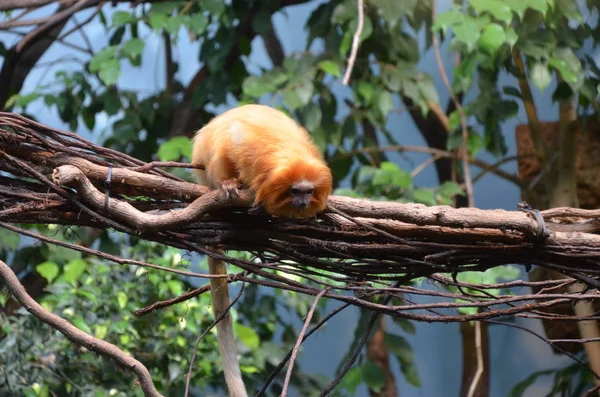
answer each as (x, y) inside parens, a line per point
(296, 191)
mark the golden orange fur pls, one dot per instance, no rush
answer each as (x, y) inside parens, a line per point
(267, 152)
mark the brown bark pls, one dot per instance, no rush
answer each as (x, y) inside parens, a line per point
(377, 352)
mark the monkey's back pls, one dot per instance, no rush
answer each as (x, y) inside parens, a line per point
(249, 141)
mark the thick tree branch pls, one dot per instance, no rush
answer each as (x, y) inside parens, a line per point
(359, 245)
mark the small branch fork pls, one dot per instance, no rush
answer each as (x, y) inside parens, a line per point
(359, 246)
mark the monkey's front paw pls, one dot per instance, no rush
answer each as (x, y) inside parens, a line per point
(230, 188)
(257, 209)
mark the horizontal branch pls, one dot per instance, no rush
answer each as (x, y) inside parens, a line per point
(357, 245)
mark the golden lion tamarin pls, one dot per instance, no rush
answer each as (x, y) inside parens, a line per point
(266, 151)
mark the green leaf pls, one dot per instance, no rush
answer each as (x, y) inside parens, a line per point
(102, 56)
(352, 380)
(511, 36)
(111, 102)
(411, 374)
(538, 5)
(447, 19)
(330, 67)
(23, 100)
(373, 376)
(87, 294)
(492, 38)
(48, 270)
(450, 189)
(517, 6)
(122, 299)
(74, 269)
(174, 24)
(215, 7)
(400, 347)
(406, 325)
(247, 335)
(164, 7)
(497, 8)
(261, 22)
(392, 78)
(60, 254)
(567, 63)
(393, 10)
(424, 196)
(570, 9)
(427, 88)
(9, 240)
(366, 31)
(249, 369)
(311, 116)
(467, 32)
(80, 323)
(255, 86)
(384, 102)
(512, 91)
(298, 95)
(390, 174)
(175, 148)
(100, 331)
(198, 23)
(158, 21)
(343, 12)
(121, 18)
(133, 47)
(110, 71)
(540, 76)
(365, 90)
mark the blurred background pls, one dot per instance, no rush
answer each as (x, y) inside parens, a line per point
(142, 76)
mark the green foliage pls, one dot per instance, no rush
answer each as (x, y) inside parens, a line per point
(571, 381)
(175, 148)
(494, 275)
(84, 292)
(390, 182)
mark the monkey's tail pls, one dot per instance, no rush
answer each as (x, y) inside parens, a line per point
(227, 347)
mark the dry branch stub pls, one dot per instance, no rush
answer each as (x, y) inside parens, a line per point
(358, 248)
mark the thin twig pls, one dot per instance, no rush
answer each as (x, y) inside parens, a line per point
(480, 365)
(463, 118)
(280, 366)
(424, 165)
(350, 361)
(309, 316)
(181, 298)
(355, 42)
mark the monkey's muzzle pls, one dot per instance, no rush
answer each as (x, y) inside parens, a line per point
(302, 193)
(301, 202)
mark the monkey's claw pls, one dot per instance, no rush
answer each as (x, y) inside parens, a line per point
(257, 210)
(230, 188)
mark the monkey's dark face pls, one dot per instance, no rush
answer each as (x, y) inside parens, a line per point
(298, 190)
(301, 194)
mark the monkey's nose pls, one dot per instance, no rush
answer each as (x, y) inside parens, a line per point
(300, 203)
